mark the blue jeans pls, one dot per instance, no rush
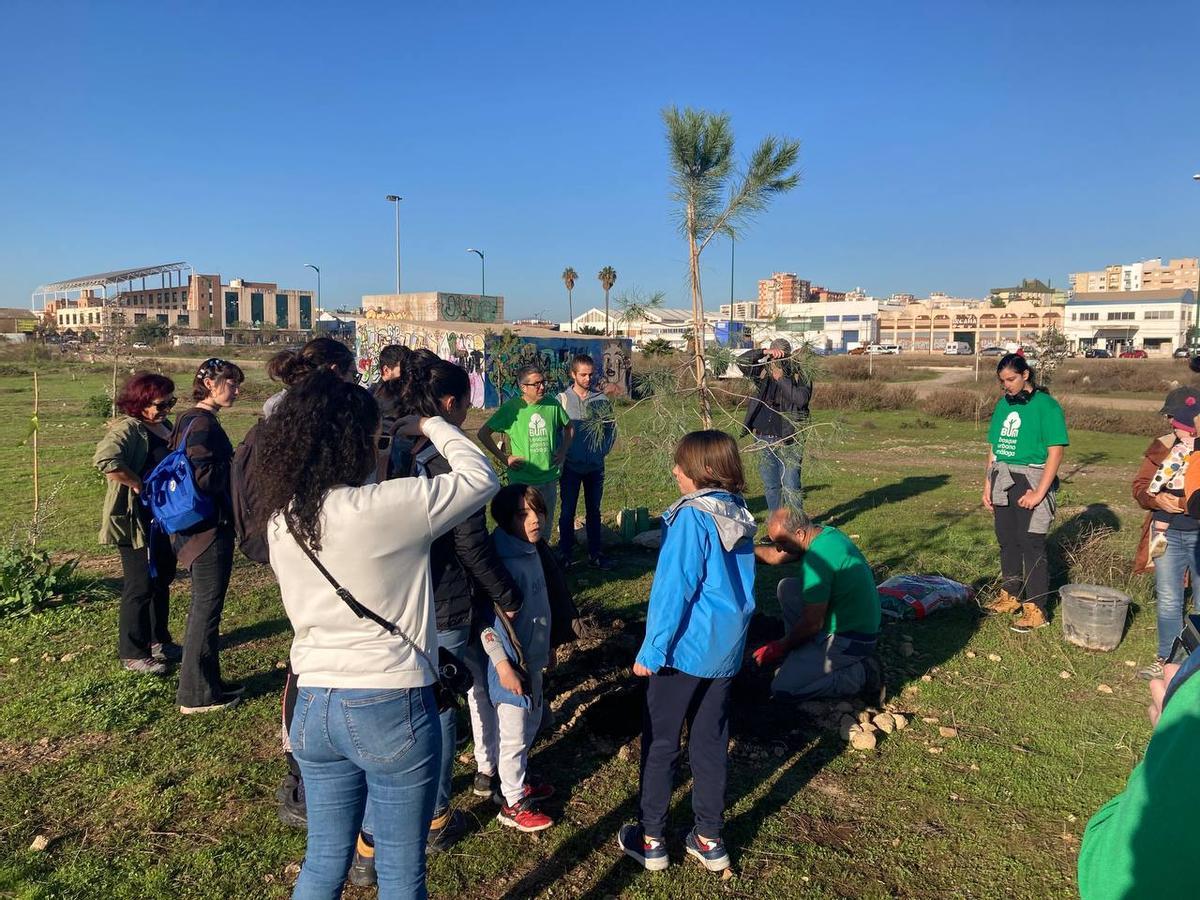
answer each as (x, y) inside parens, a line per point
(1169, 569)
(779, 466)
(352, 743)
(593, 488)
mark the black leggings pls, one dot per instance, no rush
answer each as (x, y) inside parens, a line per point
(1022, 554)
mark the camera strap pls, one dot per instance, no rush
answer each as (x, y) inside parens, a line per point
(358, 609)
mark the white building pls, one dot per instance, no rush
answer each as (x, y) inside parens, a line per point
(1154, 321)
(834, 327)
(671, 325)
(740, 309)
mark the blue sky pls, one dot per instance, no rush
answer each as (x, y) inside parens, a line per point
(944, 146)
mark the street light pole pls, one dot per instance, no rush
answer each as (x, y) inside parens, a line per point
(394, 198)
(318, 271)
(1194, 343)
(482, 271)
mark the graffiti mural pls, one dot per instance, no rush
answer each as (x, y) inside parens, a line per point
(468, 308)
(492, 359)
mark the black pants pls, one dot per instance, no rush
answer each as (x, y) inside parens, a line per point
(1022, 554)
(290, 690)
(568, 498)
(673, 698)
(200, 670)
(145, 601)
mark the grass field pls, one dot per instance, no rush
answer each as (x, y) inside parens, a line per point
(138, 802)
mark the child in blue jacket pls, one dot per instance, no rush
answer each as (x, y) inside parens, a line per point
(700, 607)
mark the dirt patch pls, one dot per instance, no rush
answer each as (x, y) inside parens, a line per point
(617, 714)
(25, 756)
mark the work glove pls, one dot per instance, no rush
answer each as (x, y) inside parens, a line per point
(770, 655)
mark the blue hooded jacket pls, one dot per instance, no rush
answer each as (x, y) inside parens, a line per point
(703, 592)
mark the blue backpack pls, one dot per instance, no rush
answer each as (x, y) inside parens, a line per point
(171, 494)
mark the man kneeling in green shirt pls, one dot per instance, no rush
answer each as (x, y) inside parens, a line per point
(830, 614)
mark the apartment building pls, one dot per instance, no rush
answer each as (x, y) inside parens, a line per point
(781, 289)
(1146, 275)
(741, 309)
(925, 327)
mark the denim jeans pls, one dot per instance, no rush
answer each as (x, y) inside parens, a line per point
(353, 743)
(1169, 569)
(593, 489)
(200, 669)
(779, 466)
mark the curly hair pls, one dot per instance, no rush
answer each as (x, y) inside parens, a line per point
(142, 389)
(321, 436)
(289, 366)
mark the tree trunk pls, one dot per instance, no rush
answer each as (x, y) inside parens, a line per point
(606, 320)
(570, 313)
(698, 320)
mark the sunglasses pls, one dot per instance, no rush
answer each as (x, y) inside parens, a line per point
(165, 405)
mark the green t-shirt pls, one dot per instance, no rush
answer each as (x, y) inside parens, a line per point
(836, 573)
(1021, 433)
(534, 432)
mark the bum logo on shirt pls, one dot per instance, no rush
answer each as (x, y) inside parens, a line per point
(537, 426)
(1007, 445)
(539, 435)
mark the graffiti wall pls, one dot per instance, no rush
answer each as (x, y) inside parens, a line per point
(492, 359)
(437, 306)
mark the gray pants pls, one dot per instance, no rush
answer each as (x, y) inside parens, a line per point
(828, 665)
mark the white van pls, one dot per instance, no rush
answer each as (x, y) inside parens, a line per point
(957, 348)
(884, 349)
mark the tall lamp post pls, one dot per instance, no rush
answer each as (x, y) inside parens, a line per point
(394, 198)
(1195, 341)
(482, 271)
(318, 271)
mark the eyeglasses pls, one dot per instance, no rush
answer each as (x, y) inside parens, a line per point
(165, 405)
(534, 384)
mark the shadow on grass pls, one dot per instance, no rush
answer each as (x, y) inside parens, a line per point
(897, 492)
(247, 634)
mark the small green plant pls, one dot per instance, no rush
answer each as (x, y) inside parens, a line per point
(98, 405)
(29, 580)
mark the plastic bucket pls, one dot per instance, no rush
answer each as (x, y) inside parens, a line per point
(1093, 616)
(643, 518)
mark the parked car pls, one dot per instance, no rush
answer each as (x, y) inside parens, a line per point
(138, 345)
(957, 348)
(1182, 353)
(992, 351)
(1096, 353)
(857, 351)
(884, 349)
(1134, 354)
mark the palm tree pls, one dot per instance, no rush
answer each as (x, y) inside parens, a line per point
(569, 276)
(700, 148)
(608, 277)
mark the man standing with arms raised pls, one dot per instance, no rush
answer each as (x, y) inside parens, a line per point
(595, 431)
(538, 434)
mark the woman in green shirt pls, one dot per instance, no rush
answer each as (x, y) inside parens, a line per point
(1027, 437)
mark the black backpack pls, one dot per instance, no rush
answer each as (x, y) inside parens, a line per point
(253, 543)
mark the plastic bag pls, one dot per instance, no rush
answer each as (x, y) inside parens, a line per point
(916, 596)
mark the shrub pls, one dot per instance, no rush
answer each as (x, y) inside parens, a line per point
(957, 404)
(870, 396)
(29, 580)
(1085, 417)
(98, 405)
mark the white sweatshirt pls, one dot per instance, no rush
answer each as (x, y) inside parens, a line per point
(375, 541)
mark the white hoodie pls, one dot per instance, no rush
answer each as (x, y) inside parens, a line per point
(375, 541)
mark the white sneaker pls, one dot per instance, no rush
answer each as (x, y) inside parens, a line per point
(227, 703)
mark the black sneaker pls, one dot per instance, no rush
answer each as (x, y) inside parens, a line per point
(601, 563)
(168, 652)
(449, 834)
(485, 785)
(292, 809)
(362, 870)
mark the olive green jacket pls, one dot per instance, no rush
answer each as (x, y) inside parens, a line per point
(123, 521)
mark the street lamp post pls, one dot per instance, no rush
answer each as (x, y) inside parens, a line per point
(318, 271)
(482, 271)
(394, 198)
(1194, 343)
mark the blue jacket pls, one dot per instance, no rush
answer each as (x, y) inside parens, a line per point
(703, 592)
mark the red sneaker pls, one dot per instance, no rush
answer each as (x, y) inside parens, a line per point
(522, 818)
(535, 793)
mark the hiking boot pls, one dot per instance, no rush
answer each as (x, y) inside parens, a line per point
(167, 652)
(292, 810)
(1154, 670)
(446, 830)
(485, 785)
(711, 854)
(650, 853)
(1031, 619)
(1005, 603)
(873, 690)
(523, 817)
(223, 703)
(362, 869)
(147, 666)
